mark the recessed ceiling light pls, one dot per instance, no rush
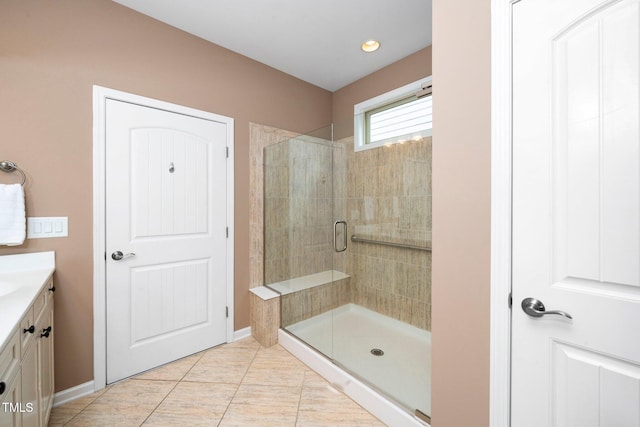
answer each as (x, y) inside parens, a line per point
(370, 46)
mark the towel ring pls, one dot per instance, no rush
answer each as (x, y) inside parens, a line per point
(8, 166)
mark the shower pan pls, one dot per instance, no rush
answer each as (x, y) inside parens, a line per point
(347, 239)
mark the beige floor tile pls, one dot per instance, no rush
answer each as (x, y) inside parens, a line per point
(239, 384)
(134, 390)
(321, 404)
(129, 402)
(216, 371)
(314, 419)
(193, 404)
(225, 364)
(275, 366)
(241, 415)
(64, 413)
(173, 371)
(248, 342)
(60, 416)
(117, 416)
(268, 395)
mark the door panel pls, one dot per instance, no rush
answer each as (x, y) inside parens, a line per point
(171, 203)
(166, 212)
(591, 388)
(576, 212)
(168, 298)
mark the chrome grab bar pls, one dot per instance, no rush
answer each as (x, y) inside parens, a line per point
(395, 245)
(335, 236)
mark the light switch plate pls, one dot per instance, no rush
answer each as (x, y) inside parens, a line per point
(44, 227)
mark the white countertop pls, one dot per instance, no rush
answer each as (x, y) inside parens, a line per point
(21, 278)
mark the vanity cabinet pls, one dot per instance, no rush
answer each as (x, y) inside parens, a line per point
(26, 366)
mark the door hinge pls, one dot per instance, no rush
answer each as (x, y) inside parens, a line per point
(227, 232)
(510, 300)
(227, 311)
(227, 152)
(105, 256)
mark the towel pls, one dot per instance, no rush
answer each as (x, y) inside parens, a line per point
(13, 221)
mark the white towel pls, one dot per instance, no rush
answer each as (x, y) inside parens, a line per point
(13, 221)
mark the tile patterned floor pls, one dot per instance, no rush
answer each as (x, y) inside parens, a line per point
(238, 384)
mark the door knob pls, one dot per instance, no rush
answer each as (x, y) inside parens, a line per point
(535, 308)
(117, 255)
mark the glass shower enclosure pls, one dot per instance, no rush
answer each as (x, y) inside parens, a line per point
(347, 237)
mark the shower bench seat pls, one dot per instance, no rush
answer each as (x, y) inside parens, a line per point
(297, 284)
(302, 297)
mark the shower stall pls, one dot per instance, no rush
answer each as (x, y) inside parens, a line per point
(347, 238)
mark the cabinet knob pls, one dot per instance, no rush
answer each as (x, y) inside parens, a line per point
(52, 289)
(3, 387)
(31, 329)
(45, 332)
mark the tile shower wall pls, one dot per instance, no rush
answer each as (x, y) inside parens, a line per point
(298, 202)
(383, 193)
(302, 305)
(260, 136)
(388, 197)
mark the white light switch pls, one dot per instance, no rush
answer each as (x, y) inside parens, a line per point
(42, 227)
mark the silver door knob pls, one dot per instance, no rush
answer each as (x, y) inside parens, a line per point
(117, 255)
(535, 308)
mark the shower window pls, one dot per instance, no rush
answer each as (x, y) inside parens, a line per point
(394, 117)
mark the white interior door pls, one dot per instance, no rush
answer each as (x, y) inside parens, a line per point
(576, 213)
(166, 236)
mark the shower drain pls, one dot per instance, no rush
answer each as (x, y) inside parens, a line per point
(377, 352)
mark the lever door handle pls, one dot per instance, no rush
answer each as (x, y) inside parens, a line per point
(535, 308)
(117, 255)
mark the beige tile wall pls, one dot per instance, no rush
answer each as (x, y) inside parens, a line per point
(383, 193)
(260, 136)
(388, 197)
(298, 208)
(264, 318)
(310, 302)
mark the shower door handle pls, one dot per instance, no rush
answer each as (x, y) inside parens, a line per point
(335, 236)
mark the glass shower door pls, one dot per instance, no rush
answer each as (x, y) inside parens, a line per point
(300, 237)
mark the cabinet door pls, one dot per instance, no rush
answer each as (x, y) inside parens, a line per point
(45, 364)
(11, 417)
(29, 378)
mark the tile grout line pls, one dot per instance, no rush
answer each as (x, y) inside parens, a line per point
(239, 384)
(174, 386)
(304, 378)
(83, 409)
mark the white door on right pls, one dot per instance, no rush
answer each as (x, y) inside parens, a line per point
(576, 213)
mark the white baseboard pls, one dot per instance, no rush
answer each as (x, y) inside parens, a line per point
(73, 393)
(242, 333)
(369, 399)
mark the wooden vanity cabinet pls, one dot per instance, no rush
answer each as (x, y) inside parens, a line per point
(27, 401)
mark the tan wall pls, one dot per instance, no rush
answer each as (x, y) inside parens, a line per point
(400, 73)
(51, 53)
(461, 211)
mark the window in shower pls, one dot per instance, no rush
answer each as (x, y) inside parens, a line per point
(394, 117)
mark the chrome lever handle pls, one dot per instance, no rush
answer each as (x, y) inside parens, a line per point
(535, 308)
(117, 255)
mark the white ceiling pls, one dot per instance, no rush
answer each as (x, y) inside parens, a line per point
(315, 40)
